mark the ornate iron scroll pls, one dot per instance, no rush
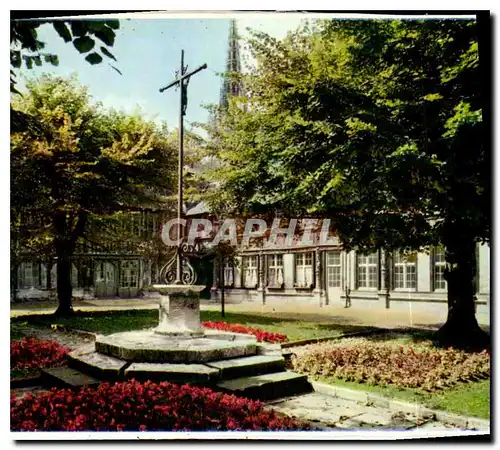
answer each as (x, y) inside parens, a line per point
(188, 275)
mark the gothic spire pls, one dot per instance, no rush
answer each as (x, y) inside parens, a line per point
(233, 65)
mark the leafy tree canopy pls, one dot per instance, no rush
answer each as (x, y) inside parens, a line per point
(93, 38)
(82, 166)
(376, 124)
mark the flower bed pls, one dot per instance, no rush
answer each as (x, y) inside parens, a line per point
(261, 335)
(407, 366)
(145, 406)
(29, 354)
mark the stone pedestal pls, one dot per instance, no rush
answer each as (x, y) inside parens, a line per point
(179, 310)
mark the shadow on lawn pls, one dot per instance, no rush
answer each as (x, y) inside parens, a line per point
(411, 335)
(437, 326)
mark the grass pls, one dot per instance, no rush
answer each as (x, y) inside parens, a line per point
(117, 321)
(468, 399)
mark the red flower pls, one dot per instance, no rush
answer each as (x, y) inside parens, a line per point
(261, 335)
(33, 353)
(143, 406)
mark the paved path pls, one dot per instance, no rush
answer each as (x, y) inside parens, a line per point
(333, 413)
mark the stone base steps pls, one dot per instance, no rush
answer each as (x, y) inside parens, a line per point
(268, 386)
(261, 376)
(87, 360)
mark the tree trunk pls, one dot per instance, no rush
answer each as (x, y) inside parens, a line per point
(64, 287)
(461, 329)
(65, 245)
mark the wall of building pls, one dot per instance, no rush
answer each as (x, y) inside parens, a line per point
(417, 281)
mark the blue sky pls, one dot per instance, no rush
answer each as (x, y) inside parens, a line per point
(148, 54)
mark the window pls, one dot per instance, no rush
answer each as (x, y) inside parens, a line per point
(151, 224)
(228, 274)
(439, 265)
(367, 273)
(100, 273)
(129, 274)
(28, 274)
(275, 270)
(75, 278)
(136, 224)
(104, 272)
(333, 269)
(250, 271)
(405, 271)
(304, 276)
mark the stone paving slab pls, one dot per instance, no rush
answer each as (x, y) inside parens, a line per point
(83, 350)
(68, 377)
(98, 364)
(326, 413)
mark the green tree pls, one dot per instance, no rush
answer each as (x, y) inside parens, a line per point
(94, 38)
(81, 167)
(82, 34)
(378, 125)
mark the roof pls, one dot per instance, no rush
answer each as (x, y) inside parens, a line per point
(198, 209)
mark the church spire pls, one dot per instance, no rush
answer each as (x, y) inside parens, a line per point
(233, 65)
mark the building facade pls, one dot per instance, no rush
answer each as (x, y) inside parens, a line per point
(327, 275)
(106, 269)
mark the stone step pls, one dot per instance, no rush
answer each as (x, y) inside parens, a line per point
(175, 373)
(97, 364)
(264, 348)
(248, 366)
(67, 377)
(268, 386)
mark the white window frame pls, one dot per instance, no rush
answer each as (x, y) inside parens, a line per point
(304, 270)
(250, 271)
(275, 271)
(228, 274)
(438, 267)
(401, 264)
(364, 263)
(333, 270)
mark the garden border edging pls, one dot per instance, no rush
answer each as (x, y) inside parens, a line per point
(367, 332)
(397, 405)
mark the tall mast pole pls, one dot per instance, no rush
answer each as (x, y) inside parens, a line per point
(180, 81)
(178, 279)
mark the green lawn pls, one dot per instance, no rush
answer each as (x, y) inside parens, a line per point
(114, 322)
(468, 399)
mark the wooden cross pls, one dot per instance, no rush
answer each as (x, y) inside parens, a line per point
(182, 80)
